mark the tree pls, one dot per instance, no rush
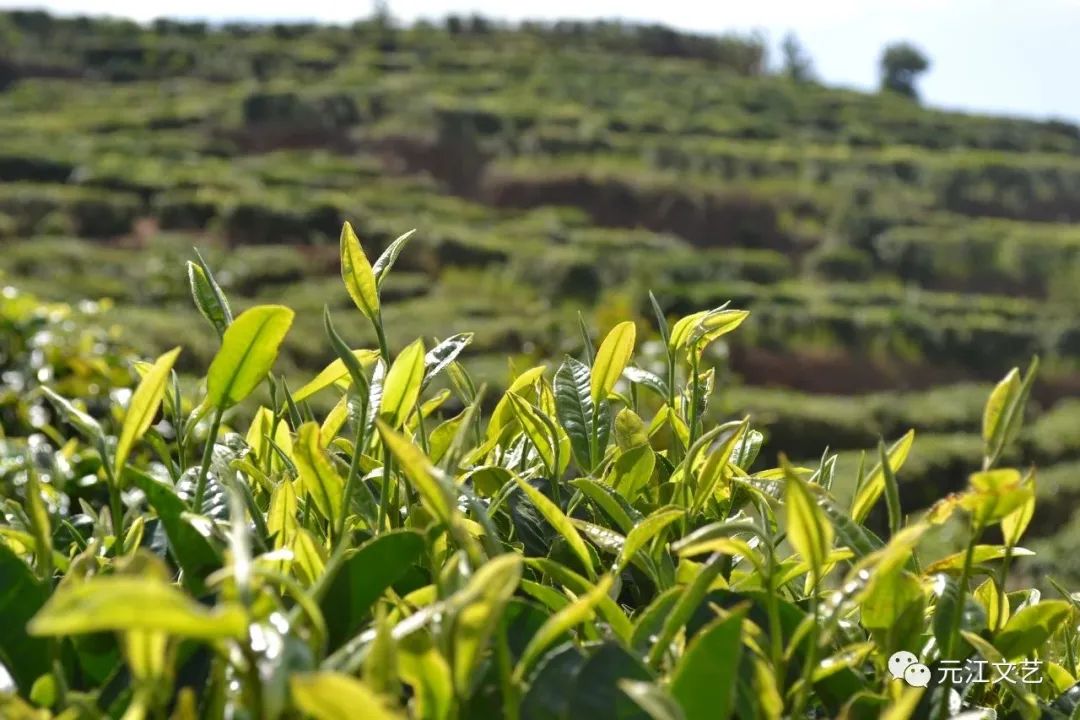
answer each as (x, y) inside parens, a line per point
(901, 64)
(797, 63)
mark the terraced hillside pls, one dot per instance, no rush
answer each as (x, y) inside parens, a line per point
(895, 258)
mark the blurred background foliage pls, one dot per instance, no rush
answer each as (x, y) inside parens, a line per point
(896, 259)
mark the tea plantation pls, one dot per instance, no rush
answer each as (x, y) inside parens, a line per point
(898, 254)
(570, 185)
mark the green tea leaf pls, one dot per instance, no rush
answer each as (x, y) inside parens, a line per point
(121, 603)
(365, 575)
(474, 624)
(87, 426)
(1029, 629)
(318, 477)
(402, 385)
(419, 471)
(389, 256)
(503, 414)
(574, 408)
(645, 531)
(281, 520)
(538, 431)
(560, 522)
(21, 596)
(442, 355)
(358, 274)
(874, 485)
(334, 372)
(611, 359)
(248, 350)
(333, 696)
(192, 550)
(144, 405)
(632, 470)
(576, 613)
(809, 529)
(209, 299)
(704, 680)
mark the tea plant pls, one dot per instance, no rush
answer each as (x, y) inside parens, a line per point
(585, 545)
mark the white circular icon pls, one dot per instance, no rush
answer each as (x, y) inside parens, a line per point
(917, 675)
(900, 661)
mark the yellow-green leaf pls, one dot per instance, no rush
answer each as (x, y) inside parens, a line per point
(418, 470)
(645, 531)
(504, 412)
(281, 516)
(334, 372)
(577, 612)
(261, 426)
(559, 521)
(1027, 630)
(489, 590)
(874, 485)
(333, 696)
(402, 385)
(144, 406)
(1000, 398)
(248, 350)
(1015, 523)
(358, 275)
(121, 603)
(611, 360)
(318, 477)
(682, 329)
(809, 531)
(536, 429)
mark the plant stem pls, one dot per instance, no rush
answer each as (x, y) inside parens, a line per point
(354, 468)
(958, 613)
(772, 608)
(694, 392)
(384, 349)
(811, 657)
(208, 454)
(116, 501)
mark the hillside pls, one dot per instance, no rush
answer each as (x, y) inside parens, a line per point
(895, 258)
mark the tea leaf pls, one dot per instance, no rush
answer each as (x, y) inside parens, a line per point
(439, 357)
(358, 274)
(365, 575)
(318, 477)
(614, 353)
(389, 256)
(809, 530)
(84, 423)
(248, 350)
(333, 373)
(704, 680)
(874, 484)
(559, 521)
(645, 531)
(120, 603)
(1029, 629)
(209, 299)
(574, 408)
(577, 612)
(144, 405)
(402, 385)
(333, 696)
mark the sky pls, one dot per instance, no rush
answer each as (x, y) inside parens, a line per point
(1017, 57)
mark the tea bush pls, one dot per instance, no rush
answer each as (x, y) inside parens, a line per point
(588, 544)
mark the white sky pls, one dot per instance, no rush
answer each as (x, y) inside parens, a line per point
(1011, 56)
